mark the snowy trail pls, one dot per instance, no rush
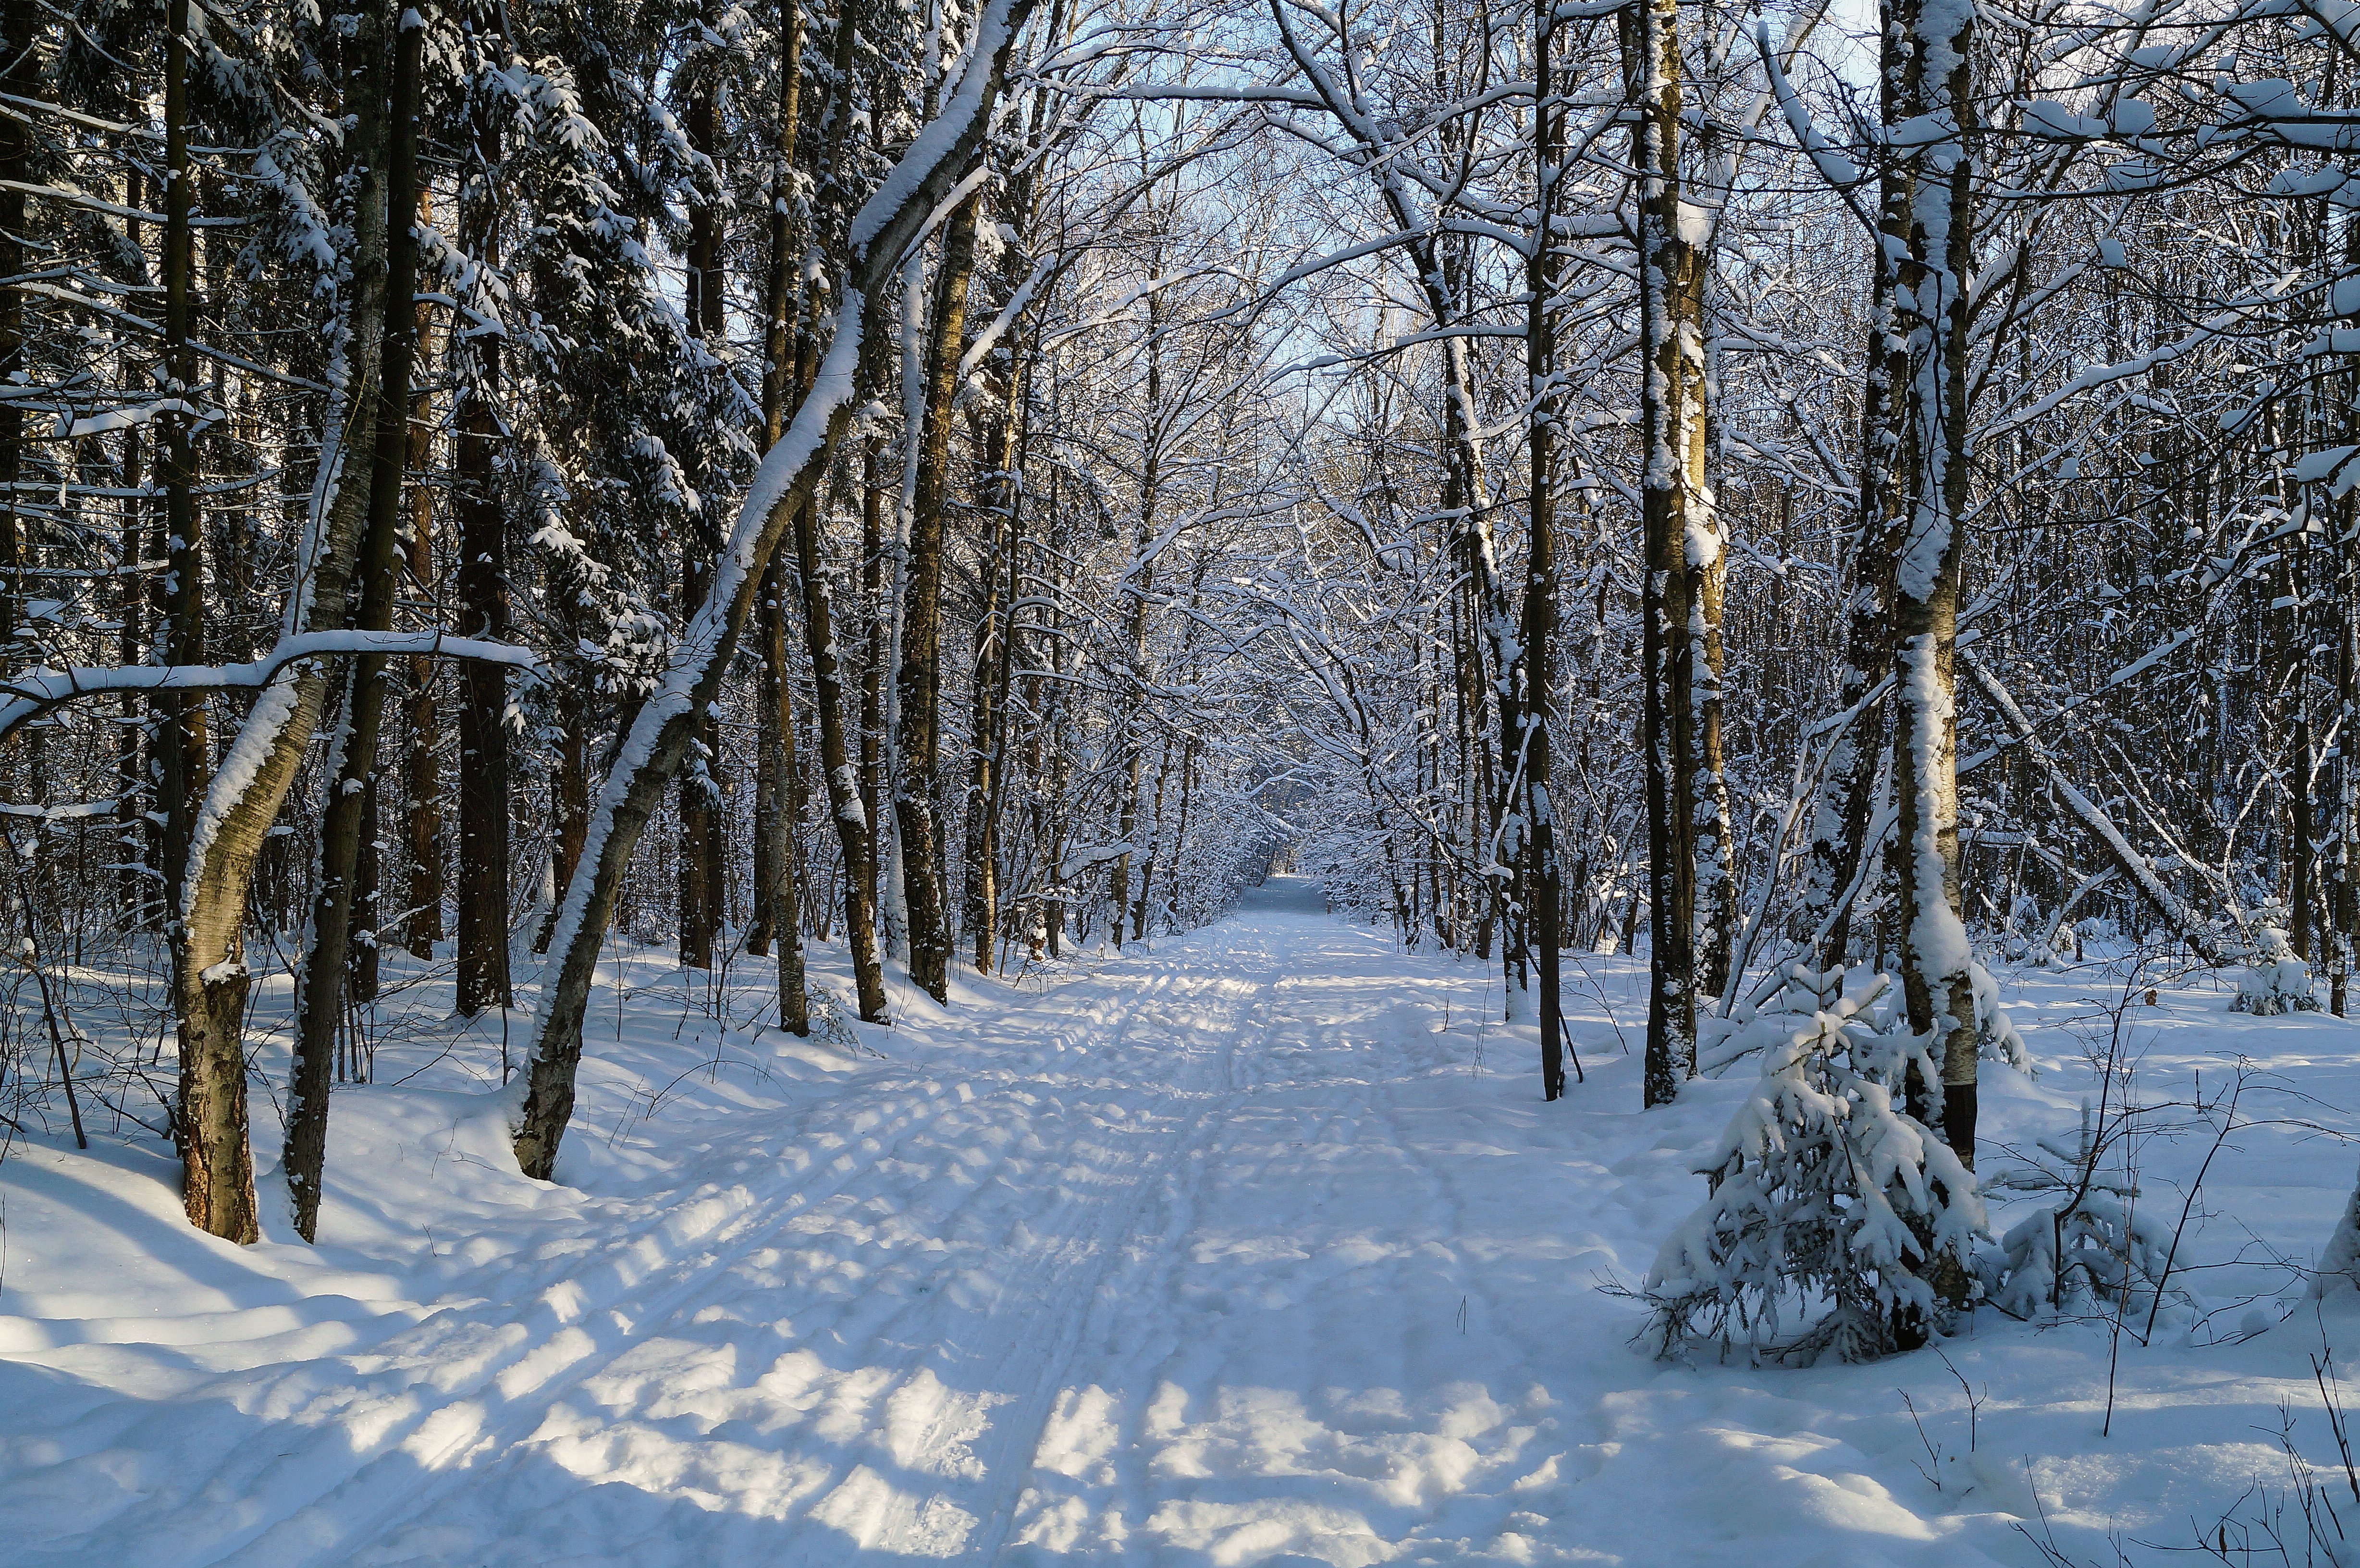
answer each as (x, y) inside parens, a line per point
(1258, 1249)
(854, 1320)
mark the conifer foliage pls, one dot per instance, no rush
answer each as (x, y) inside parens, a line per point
(1838, 1223)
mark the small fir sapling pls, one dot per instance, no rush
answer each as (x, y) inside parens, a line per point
(2096, 1251)
(1828, 1197)
(2276, 982)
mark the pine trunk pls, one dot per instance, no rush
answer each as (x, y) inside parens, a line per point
(778, 903)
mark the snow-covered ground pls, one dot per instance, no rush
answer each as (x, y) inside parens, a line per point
(1260, 1248)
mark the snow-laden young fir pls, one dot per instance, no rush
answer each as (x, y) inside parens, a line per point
(1838, 1223)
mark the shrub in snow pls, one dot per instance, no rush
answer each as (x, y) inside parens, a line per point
(1828, 1200)
(2278, 981)
(831, 1021)
(2096, 1251)
(2095, 1254)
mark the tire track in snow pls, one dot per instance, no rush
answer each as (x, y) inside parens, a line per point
(906, 1523)
(432, 1405)
(426, 1392)
(1092, 1290)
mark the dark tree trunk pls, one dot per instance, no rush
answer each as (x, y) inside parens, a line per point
(1540, 582)
(20, 77)
(700, 781)
(132, 837)
(210, 1119)
(1141, 584)
(421, 926)
(918, 679)
(873, 669)
(182, 754)
(362, 967)
(319, 990)
(484, 776)
(777, 915)
(853, 823)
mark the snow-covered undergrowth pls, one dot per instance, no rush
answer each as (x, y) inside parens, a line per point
(1258, 1248)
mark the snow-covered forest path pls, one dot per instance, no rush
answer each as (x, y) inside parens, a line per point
(1257, 1248)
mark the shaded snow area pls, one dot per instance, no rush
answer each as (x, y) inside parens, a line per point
(1260, 1248)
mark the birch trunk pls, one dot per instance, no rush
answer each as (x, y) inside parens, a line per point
(210, 977)
(1936, 960)
(1667, 276)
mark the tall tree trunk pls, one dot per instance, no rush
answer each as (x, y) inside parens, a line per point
(182, 753)
(1936, 960)
(210, 1118)
(700, 802)
(1847, 795)
(1000, 500)
(1540, 573)
(20, 77)
(1668, 271)
(136, 850)
(352, 753)
(778, 794)
(484, 762)
(872, 667)
(2344, 914)
(1138, 584)
(421, 929)
(1712, 948)
(920, 677)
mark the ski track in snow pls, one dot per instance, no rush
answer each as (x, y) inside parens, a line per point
(1227, 1254)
